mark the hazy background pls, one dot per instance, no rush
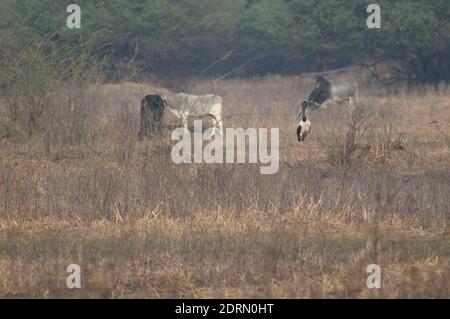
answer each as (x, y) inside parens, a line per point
(172, 38)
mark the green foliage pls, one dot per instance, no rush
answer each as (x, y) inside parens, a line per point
(184, 37)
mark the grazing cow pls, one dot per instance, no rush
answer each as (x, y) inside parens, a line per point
(304, 125)
(152, 111)
(325, 92)
(184, 105)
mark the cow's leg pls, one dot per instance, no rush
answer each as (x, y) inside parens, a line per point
(352, 104)
(184, 119)
(220, 124)
(351, 107)
(217, 121)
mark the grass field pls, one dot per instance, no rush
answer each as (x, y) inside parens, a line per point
(372, 189)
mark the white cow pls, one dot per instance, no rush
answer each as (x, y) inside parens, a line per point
(184, 105)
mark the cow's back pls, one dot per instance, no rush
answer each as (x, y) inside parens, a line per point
(199, 105)
(344, 90)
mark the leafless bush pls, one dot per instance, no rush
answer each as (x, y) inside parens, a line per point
(127, 132)
(342, 152)
(46, 92)
(361, 143)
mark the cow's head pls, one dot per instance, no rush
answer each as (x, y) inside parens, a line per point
(312, 104)
(321, 92)
(322, 82)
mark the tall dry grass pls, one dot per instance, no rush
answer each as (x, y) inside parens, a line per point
(372, 189)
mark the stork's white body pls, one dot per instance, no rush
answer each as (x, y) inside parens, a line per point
(304, 125)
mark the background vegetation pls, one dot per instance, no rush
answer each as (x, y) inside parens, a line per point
(181, 38)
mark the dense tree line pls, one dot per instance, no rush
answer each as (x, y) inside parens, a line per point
(245, 37)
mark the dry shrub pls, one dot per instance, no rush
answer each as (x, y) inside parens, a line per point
(362, 145)
(7, 129)
(126, 133)
(45, 89)
(345, 150)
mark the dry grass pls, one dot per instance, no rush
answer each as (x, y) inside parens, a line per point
(222, 254)
(140, 226)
